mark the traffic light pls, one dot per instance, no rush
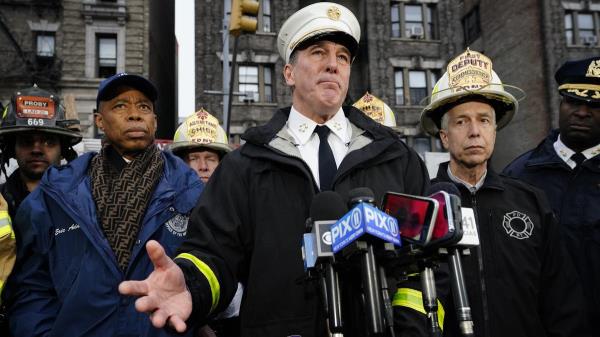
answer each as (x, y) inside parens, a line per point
(243, 17)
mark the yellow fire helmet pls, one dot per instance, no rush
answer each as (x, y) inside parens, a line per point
(200, 130)
(376, 109)
(469, 75)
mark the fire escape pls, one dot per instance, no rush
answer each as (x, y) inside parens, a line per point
(21, 63)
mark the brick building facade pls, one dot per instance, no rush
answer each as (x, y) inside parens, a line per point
(69, 45)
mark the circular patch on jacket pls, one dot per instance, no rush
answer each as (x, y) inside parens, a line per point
(518, 225)
(177, 225)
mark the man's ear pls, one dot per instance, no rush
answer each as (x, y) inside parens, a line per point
(288, 74)
(444, 138)
(99, 121)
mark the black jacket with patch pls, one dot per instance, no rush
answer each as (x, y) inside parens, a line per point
(249, 222)
(574, 195)
(520, 280)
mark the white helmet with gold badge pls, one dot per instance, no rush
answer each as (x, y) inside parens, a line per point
(375, 108)
(467, 76)
(200, 130)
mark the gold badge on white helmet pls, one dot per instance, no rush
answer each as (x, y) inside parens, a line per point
(200, 130)
(470, 75)
(375, 108)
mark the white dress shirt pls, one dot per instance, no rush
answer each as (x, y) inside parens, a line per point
(565, 153)
(307, 141)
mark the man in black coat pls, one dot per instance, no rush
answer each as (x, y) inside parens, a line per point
(249, 222)
(566, 165)
(519, 280)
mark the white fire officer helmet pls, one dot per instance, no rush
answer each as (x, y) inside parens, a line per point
(469, 75)
(200, 130)
(321, 20)
(375, 108)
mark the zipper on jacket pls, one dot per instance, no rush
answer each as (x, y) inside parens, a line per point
(570, 185)
(482, 284)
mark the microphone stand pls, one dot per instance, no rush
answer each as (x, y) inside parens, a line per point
(387, 303)
(430, 301)
(459, 293)
(334, 304)
(371, 286)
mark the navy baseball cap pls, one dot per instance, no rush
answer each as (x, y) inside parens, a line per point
(580, 79)
(107, 88)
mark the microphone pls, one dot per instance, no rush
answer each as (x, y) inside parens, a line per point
(348, 237)
(459, 290)
(326, 208)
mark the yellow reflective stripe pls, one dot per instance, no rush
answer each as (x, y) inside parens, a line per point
(410, 298)
(5, 225)
(215, 288)
(4, 217)
(5, 230)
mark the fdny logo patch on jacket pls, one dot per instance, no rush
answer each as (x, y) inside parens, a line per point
(518, 225)
(177, 225)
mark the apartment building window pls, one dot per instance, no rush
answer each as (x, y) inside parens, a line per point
(581, 28)
(257, 82)
(264, 23)
(399, 86)
(471, 26)
(419, 84)
(414, 20)
(106, 55)
(268, 84)
(45, 44)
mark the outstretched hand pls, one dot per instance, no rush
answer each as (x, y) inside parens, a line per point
(163, 294)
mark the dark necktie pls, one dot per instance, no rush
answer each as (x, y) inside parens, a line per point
(578, 158)
(327, 167)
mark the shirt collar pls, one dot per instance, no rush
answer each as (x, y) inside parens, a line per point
(565, 152)
(471, 188)
(302, 127)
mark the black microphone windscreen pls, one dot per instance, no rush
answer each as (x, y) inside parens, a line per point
(327, 205)
(447, 187)
(360, 194)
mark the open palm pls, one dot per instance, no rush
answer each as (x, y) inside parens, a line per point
(163, 294)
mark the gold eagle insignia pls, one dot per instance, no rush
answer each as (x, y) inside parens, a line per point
(334, 13)
(593, 69)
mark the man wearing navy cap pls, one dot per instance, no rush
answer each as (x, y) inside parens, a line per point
(249, 223)
(86, 225)
(566, 165)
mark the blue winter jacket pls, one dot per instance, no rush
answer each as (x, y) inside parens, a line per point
(66, 278)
